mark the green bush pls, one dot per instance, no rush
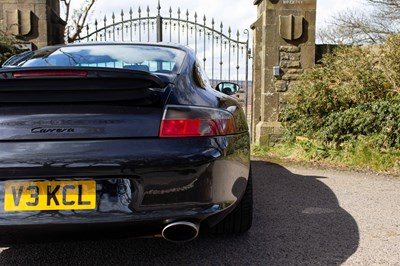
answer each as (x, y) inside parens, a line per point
(378, 118)
(7, 47)
(390, 61)
(353, 93)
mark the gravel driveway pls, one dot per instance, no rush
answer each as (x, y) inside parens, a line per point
(303, 216)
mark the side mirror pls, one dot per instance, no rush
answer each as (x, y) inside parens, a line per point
(227, 88)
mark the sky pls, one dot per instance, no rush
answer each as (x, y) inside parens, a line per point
(327, 8)
(239, 14)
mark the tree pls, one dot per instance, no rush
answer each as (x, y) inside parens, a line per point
(371, 25)
(76, 18)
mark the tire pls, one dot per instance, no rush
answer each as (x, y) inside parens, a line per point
(240, 219)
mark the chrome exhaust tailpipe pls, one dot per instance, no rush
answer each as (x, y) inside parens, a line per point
(180, 232)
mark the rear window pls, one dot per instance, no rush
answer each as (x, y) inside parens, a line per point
(135, 57)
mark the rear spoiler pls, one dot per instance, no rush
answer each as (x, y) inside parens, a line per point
(74, 75)
(76, 84)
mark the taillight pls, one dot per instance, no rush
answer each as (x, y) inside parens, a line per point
(50, 73)
(185, 121)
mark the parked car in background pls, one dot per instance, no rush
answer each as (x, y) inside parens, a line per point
(120, 138)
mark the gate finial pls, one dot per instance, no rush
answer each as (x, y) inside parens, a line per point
(159, 7)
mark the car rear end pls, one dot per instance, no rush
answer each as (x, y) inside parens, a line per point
(87, 148)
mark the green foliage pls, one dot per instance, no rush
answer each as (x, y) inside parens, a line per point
(391, 62)
(353, 93)
(378, 118)
(361, 154)
(7, 48)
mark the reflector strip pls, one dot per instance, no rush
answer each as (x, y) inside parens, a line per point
(50, 73)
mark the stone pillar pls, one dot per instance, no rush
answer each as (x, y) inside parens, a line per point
(35, 21)
(284, 46)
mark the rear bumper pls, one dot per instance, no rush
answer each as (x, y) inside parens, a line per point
(138, 182)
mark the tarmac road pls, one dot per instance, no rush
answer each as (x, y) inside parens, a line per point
(303, 216)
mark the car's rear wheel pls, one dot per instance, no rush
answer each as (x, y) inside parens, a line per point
(241, 218)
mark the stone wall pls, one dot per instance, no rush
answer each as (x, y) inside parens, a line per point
(284, 46)
(35, 21)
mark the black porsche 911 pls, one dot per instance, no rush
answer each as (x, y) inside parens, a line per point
(120, 139)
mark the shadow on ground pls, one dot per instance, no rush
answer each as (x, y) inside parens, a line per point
(297, 220)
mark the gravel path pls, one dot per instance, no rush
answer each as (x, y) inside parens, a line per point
(303, 216)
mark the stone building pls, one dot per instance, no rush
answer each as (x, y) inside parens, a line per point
(284, 46)
(33, 22)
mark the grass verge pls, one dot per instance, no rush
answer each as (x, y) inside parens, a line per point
(360, 155)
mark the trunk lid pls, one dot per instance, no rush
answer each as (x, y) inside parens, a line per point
(85, 103)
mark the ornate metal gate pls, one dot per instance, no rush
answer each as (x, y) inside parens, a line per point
(225, 55)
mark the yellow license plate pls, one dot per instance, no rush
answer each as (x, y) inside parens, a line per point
(50, 195)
